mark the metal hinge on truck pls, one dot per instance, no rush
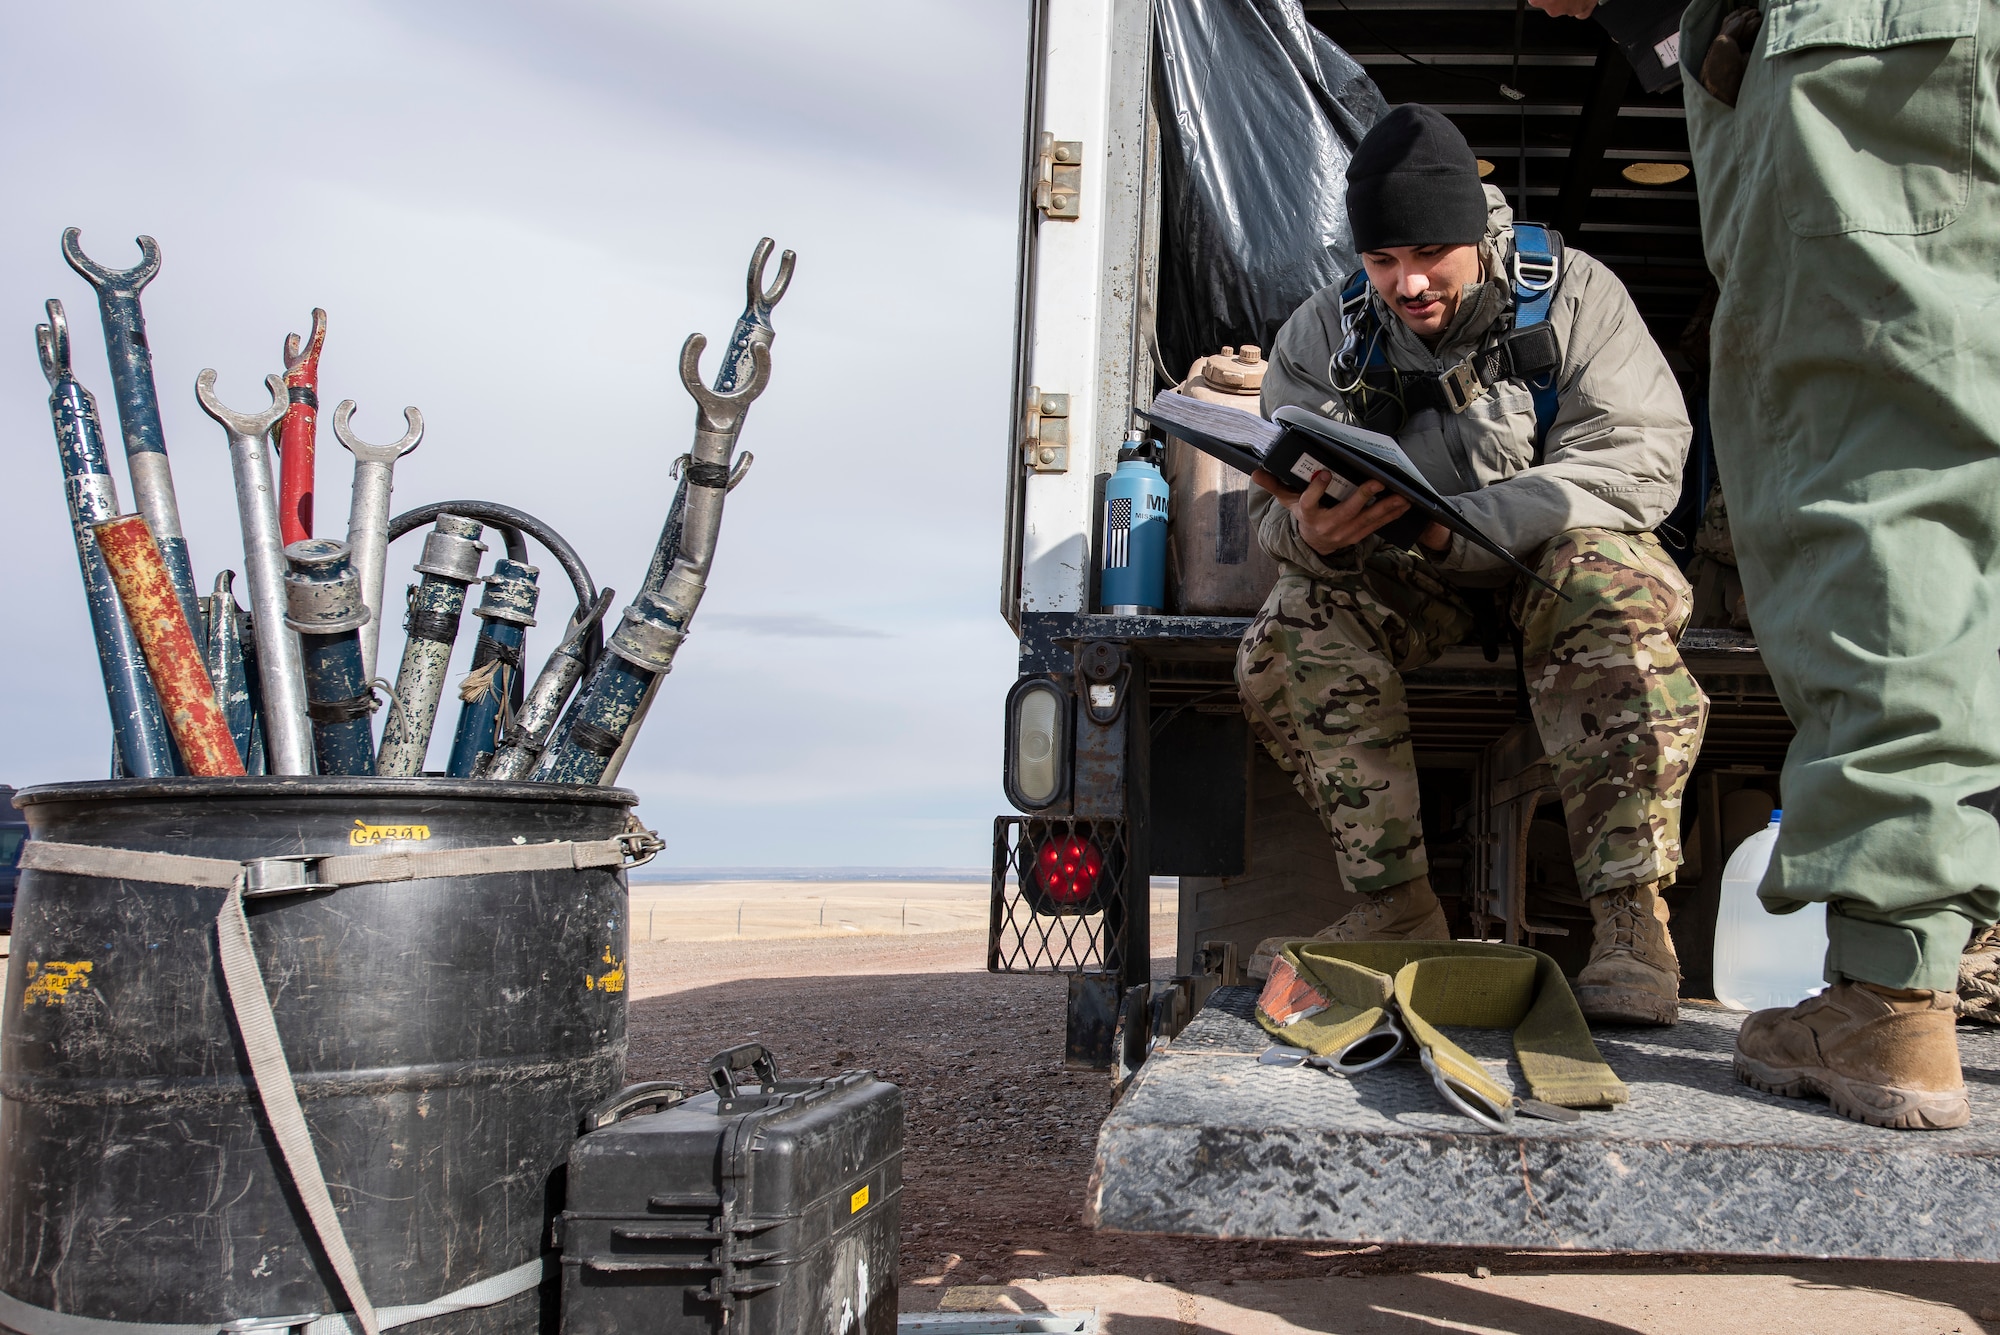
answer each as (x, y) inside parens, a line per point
(1059, 177)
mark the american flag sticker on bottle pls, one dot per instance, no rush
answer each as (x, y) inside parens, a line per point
(1117, 532)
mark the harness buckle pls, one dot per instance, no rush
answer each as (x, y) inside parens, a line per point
(289, 875)
(1537, 275)
(1461, 386)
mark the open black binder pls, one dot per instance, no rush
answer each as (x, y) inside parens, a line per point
(1298, 443)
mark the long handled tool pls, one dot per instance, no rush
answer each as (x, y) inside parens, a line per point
(226, 670)
(298, 437)
(287, 732)
(138, 728)
(200, 730)
(753, 327)
(138, 400)
(611, 708)
(450, 564)
(323, 604)
(524, 742)
(368, 513)
(507, 609)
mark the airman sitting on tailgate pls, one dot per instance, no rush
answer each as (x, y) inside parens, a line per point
(1521, 380)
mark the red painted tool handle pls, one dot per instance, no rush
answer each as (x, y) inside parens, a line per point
(300, 432)
(196, 720)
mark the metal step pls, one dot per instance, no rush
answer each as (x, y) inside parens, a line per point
(1207, 1142)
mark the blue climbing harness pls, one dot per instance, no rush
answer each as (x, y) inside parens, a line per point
(1528, 352)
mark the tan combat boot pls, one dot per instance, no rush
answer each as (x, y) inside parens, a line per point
(1880, 1055)
(1406, 912)
(1633, 976)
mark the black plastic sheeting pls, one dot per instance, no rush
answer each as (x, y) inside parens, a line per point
(1259, 115)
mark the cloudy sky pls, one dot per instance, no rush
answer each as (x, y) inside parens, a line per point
(513, 214)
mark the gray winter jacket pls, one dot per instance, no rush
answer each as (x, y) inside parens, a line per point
(1614, 453)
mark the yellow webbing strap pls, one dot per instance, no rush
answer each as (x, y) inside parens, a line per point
(1323, 995)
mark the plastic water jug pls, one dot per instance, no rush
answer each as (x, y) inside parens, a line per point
(1764, 959)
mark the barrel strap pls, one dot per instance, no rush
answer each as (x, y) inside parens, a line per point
(251, 1008)
(261, 875)
(29, 1319)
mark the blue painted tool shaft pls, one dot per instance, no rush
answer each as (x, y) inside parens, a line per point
(603, 714)
(478, 735)
(324, 604)
(336, 683)
(139, 728)
(258, 761)
(225, 663)
(507, 608)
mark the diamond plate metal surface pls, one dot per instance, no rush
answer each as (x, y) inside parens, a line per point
(1207, 1142)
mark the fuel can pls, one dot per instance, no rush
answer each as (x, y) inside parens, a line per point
(1133, 578)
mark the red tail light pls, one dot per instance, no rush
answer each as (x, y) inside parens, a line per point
(1068, 870)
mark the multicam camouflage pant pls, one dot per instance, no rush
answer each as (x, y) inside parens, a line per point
(1619, 715)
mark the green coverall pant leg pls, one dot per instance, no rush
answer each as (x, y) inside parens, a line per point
(1850, 206)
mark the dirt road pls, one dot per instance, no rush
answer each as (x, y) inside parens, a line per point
(999, 1147)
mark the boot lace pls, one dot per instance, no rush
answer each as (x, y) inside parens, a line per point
(1625, 922)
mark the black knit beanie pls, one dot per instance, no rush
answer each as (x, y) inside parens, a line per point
(1414, 182)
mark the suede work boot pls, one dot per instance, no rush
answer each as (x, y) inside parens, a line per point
(1406, 912)
(1633, 976)
(1881, 1055)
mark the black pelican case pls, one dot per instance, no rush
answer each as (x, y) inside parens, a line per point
(770, 1206)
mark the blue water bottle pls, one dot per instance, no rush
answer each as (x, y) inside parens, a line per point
(1134, 581)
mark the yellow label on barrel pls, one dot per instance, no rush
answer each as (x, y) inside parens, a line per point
(50, 981)
(363, 834)
(857, 1201)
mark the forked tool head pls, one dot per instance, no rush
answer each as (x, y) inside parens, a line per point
(52, 342)
(128, 281)
(302, 360)
(238, 424)
(343, 416)
(723, 412)
(761, 298)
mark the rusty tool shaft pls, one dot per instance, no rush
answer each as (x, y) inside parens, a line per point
(298, 436)
(175, 660)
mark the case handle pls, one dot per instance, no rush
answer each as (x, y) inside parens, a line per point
(662, 1094)
(752, 1057)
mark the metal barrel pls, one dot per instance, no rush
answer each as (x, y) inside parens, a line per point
(225, 663)
(523, 743)
(507, 609)
(298, 435)
(641, 651)
(442, 1099)
(131, 358)
(281, 673)
(201, 733)
(323, 604)
(140, 737)
(449, 565)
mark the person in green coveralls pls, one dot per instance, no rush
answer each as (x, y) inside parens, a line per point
(1847, 160)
